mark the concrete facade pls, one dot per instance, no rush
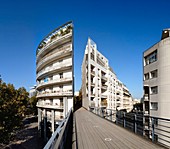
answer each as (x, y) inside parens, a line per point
(156, 84)
(54, 70)
(100, 86)
(156, 69)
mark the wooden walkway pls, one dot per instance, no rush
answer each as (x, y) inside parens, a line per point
(94, 132)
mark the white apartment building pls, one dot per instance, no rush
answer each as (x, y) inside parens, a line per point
(100, 86)
(54, 70)
(32, 91)
(156, 82)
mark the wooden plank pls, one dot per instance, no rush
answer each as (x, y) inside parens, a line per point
(97, 133)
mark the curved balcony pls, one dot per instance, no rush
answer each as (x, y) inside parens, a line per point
(61, 66)
(52, 82)
(59, 107)
(51, 57)
(54, 43)
(55, 94)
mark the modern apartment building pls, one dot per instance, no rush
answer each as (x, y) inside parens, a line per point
(54, 76)
(156, 82)
(100, 86)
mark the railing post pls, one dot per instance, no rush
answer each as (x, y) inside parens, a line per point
(102, 110)
(124, 119)
(116, 118)
(110, 115)
(45, 126)
(153, 133)
(135, 124)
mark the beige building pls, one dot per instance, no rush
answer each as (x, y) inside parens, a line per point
(100, 86)
(54, 75)
(156, 83)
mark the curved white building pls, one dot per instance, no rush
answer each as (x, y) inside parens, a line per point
(54, 75)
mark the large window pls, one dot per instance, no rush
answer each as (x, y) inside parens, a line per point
(154, 90)
(154, 106)
(151, 58)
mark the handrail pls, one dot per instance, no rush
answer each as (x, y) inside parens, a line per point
(57, 139)
(154, 128)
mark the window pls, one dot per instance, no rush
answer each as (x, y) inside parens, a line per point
(154, 74)
(61, 87)
(146, 76)
(151, 58)
(154, 90)
(61, 75)
(154, 106)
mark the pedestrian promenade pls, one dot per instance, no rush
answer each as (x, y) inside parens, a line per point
(94, 132)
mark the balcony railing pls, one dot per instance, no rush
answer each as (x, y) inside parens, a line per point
(104, 87)
(49, 106)
(57, 41)
(146, 97)
(92, 104)
(104, 78)
(54, 55)
(93, 73)
(53, 82)
(60, 138)
(55, 93)
(103, 96)
(57, 67)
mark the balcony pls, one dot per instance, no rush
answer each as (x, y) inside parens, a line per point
(146, 97)
(104, 87)
(50, 106)
(92, 104)
(54, 43)
(53, 56)
(61, 66)
(92, 73)
(118, 101)
(92, 84)
(51, 82)
(55, 94)
(103, 96)
(104, 78)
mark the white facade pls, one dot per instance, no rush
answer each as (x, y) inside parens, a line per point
(100, 86)
(55, 85)
(156, 81)
(156, 66)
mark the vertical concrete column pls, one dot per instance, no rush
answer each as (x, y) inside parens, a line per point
(52, 120)
(39, 118)
(45, 125)
(65, 106)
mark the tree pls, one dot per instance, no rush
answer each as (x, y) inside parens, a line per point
(13, 107)
(32, 109)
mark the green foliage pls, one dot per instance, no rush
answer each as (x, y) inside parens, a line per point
(14, 105)
(78, 101)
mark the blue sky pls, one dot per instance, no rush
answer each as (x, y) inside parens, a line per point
(121, 29)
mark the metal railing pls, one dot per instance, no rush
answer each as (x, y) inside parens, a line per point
(154, 128)
(61, 137)
(159, 130)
